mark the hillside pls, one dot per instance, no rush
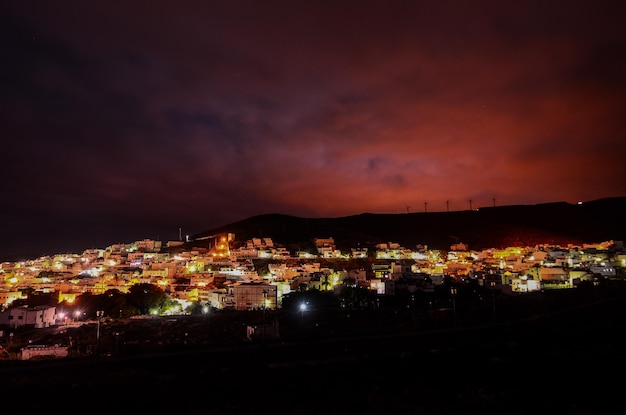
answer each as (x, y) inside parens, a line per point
(487, 227)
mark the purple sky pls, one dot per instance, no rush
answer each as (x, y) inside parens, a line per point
(130, 120)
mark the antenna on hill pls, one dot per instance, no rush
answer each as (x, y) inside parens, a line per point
(494, 202)
(425, 204)
(470, 204)
(407, 208)
(447, 206)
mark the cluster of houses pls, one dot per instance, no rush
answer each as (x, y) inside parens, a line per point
(226, 275)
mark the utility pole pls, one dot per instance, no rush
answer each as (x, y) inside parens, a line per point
(470, 204)
(425, 204)
(265, 292)
(492, 284)
(99, 315)
(453, 292)
(447, 206)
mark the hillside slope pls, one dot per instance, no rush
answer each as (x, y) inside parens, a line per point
(486, 227)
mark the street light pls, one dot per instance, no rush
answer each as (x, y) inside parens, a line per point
(595, 295)
(453, 292)
(492, 284)
(99, 315)
(265, 292)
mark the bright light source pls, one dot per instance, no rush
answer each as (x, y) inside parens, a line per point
(303, 307)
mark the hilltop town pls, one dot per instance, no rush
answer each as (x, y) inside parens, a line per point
(258, 274)
(427, 316)
(511, 249)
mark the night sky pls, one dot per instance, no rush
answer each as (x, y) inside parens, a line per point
(125, 120)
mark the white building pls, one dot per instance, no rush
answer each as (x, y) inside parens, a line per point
(33, 351)
(39, 317)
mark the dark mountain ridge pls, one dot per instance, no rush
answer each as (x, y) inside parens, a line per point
(557, 223)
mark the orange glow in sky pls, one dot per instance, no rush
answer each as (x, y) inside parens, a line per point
(131, 121)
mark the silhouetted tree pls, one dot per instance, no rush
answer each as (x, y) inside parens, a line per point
(195, 308)
(115, 304)
(146, 297)
(85, 304)
(36, 298)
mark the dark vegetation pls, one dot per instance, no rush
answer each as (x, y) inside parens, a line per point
(350, 312)
(556, 351)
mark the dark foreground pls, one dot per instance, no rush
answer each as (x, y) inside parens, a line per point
(567, 362)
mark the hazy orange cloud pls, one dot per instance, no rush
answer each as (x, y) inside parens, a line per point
(195, 115)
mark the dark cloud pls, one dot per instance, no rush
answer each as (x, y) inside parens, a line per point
(130, 120)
